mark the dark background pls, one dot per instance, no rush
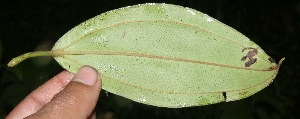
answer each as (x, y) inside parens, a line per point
(36, 25)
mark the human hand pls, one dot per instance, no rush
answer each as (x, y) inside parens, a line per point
(64, 96)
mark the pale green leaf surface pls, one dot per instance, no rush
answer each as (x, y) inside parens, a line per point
(166, 55)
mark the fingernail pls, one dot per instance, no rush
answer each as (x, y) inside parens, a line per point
(86, 75)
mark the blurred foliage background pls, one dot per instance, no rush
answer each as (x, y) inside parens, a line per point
(37, 24)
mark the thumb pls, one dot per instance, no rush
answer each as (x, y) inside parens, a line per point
(77, 100)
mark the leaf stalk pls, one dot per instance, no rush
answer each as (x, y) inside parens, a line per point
(25, 56)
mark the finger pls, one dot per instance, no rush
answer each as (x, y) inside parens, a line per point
(92, 116)
(77, 100)
(42, 95)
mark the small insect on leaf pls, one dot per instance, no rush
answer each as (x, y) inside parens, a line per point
(165, 55)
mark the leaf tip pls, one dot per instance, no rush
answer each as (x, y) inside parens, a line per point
(12, 63)
(280, 62)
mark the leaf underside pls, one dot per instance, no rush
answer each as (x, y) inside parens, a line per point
(167, 55)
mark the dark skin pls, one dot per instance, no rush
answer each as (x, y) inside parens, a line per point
(65, 96)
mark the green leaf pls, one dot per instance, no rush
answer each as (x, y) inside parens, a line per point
(165, 55)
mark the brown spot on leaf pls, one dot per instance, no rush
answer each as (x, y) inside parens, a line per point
(251, 53)
(247, 64)
(224, 95)
(244, 58)
(271, 60)
(250, 62)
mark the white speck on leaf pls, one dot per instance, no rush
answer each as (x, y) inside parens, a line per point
(142, 99)
(191, 11)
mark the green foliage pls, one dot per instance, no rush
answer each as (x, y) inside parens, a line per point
(165, 55)
(274, 25)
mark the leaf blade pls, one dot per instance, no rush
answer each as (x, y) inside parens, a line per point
(167, 55)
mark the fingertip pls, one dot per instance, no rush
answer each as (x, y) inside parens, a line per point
(86, 75)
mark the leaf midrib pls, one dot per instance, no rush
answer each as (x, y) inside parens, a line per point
(60, 53)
